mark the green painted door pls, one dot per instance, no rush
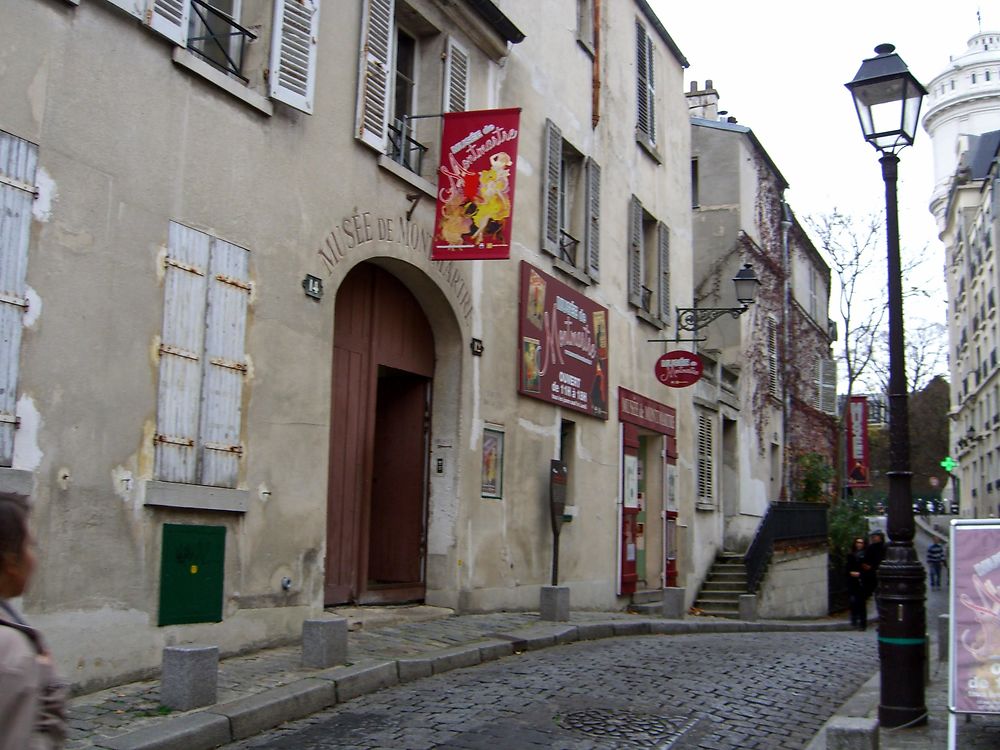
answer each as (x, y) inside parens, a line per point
(191, 573)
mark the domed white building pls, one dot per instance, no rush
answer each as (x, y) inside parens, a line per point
(962, 100)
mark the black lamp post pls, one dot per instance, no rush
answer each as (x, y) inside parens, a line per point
(888, 98)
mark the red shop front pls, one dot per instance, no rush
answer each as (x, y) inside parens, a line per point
(647, 501)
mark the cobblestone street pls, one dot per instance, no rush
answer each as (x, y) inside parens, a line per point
(767, 690)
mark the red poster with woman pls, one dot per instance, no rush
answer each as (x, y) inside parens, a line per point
(475, 197)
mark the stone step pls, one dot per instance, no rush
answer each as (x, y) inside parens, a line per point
(719, 602)
(711, 612)
(652, 608)
(722, 588)
(648, 596)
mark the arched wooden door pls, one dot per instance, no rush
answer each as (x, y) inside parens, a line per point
(383, 362)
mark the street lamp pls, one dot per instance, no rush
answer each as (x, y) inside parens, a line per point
(746, 283)
(887, 98)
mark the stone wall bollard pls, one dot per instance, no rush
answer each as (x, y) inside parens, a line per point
(189, 677)
(554, 603)
(748, 607)
(324, 642)
(942, 637)
(673, 603)
(852, 733)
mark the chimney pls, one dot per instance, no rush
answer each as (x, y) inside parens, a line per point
(703, 102)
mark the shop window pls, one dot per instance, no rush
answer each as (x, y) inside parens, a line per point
(571, 207)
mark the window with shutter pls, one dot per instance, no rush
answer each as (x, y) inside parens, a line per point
(456, 78)
(292, 75)
(169, 18)
(18, 161)
(649, 265)
(202, 359)
(571, 207)
(706, 490)
(828, 386)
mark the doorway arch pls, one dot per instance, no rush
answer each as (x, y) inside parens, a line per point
(377, 491)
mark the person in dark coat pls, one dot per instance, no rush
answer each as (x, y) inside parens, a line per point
(856, 584)
(874, 555)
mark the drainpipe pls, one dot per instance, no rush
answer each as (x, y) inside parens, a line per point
(786, 225)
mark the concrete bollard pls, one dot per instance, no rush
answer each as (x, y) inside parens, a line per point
(324, 642)
(673, 603)
(554, 603)
(748, 607)
(189, 677)
(942, 637)
(852, 733)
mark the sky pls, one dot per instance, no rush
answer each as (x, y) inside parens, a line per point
(780, 67)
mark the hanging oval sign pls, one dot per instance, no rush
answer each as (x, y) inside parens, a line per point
(679, 369)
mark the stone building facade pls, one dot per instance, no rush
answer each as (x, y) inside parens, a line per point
(236, 386)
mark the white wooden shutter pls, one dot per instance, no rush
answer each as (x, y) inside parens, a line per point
(292, 73)
(592, 230)
(635, 252)
(551, 185)
(18, 161)
(181, 354)
(650, 90)
(663, 290)
(772, 357)
(827, 386)
(456, 78)
(170, 19)
(375, 73)
(224, 365)
(705, 484)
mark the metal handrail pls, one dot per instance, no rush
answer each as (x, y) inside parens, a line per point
(783, 522)
(219, 42)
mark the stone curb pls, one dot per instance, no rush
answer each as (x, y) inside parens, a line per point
(245, 717)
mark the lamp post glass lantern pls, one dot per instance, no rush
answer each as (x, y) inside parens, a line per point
(887, 98)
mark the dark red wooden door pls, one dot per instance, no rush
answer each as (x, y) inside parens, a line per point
(376, 515)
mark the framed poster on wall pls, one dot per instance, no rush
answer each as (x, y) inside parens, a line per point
(492, 477)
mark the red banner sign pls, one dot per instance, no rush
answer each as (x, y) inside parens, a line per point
(679, 369)
(563, 355)
(858, 467)
(475, 197)
(645, 412)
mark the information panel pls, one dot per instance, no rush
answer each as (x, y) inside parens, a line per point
(974, 684)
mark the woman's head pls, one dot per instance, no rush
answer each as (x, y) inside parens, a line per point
(17, 555)
(859, 543)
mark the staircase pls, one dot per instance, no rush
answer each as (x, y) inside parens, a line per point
(648, 602)
(726, 581)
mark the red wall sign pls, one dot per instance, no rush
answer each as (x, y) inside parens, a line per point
(857, 443)
(563, 345)
(679, 369)
(475, 198)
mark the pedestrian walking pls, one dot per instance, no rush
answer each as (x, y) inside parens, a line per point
(935, 562)
(32, 697)
(856, 584)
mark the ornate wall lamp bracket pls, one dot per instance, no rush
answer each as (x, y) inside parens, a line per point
(695, 318)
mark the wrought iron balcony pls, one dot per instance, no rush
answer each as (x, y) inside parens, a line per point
(403, 148)
(220, 40)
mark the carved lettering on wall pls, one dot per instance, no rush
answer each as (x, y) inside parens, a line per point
(355, 233)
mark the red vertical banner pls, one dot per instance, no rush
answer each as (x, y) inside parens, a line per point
(475, 197)
(858, 466)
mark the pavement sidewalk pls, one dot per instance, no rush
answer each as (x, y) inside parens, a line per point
(386, 646)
